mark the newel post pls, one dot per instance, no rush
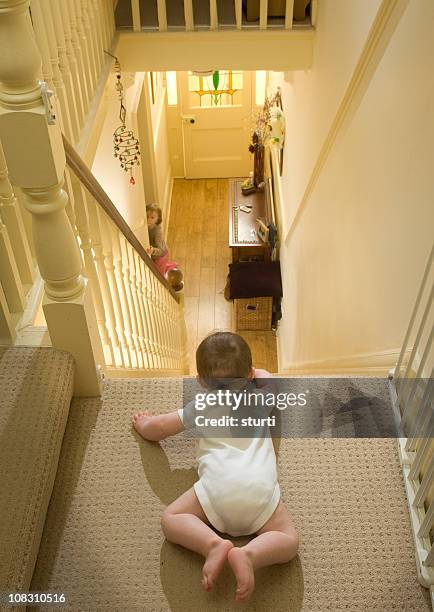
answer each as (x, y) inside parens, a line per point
(32, 144)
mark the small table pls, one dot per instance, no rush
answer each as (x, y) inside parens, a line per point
(243, 238)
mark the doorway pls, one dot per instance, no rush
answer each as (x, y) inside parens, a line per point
(210, 121)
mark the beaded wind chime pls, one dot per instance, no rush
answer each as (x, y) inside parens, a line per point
(126, 145)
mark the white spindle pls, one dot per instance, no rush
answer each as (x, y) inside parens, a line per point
(70, 209)
(96, 22)
(85, 44)
(41, 29)
(239, 13)
(9, 275)
(425, 485)
(122, 281)
(428, 522)
(10, 213)
(130, 298)
(149, 331)
(160, 323)
(213, 16)
(188, 15)
(174, 329)
(90, 268)
(416, 346)
(263, 14)
(106, 23)
(429, 561)
(119, 274)
(314, 11)
(289, 14)
(428, 269)
(108, 255)
(171, 331)
(143, 327)
(97, 248)
(150, 350)
(135, 8)
(183, 336)
(422, 416)
(76, 77)
(162, 16)
(423, 451)
(7, 328)
(65, 68)
(93, 55)
(41, 34)
(162, 306)
(41, 40)
(152, 316)
(78, 51)
(43, 8)
(134, 275)
(111, 20)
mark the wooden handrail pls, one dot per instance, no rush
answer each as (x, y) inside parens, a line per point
(85, 176)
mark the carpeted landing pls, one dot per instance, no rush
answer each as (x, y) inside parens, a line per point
(102, 544)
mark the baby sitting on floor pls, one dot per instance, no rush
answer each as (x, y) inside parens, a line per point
(237, 492)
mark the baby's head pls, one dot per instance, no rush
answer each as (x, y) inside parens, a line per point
(153, 214)
(223, 355)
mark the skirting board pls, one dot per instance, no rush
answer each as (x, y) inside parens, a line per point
(167, 204)
(374, 364)
(112, 372)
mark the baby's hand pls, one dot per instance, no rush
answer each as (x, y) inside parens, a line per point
(149, 250)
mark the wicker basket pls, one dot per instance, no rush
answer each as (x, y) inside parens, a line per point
(253, 313)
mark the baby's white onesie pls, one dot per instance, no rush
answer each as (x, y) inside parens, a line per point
(237, 487)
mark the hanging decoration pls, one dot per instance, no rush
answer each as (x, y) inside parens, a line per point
(269, 129)
(126, 145)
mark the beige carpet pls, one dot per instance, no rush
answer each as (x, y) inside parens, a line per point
(103, 547)
(35, 393)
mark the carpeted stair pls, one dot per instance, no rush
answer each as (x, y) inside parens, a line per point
(35, 394)
(102, 544)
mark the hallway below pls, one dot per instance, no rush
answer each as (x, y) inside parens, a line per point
(198, 240)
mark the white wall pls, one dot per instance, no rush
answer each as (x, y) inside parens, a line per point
(129, 199)
(161, 147)
(151, 124)
(352, 265)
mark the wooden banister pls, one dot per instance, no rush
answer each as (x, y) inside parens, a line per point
(85, 176)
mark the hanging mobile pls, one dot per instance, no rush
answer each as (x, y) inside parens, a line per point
(126, 145)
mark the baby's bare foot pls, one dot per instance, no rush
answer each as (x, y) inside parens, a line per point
(242, 567)
(139, 420)
(214, 563)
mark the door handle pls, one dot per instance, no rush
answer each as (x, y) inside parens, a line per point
(188, 119)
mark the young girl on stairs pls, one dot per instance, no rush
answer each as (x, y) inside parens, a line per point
(158, 248)
(237, 491)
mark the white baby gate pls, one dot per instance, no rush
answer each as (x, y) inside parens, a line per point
(413, 393)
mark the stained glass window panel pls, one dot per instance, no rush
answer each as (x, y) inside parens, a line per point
(219, 89)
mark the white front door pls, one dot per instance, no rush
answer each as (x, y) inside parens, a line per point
(216, 112)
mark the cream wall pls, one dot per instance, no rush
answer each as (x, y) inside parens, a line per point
(161, 147)
(353, 262)
(129, 199)
(311, 97)
(151, 121)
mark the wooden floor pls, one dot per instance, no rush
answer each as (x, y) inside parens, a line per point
(198, 241)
